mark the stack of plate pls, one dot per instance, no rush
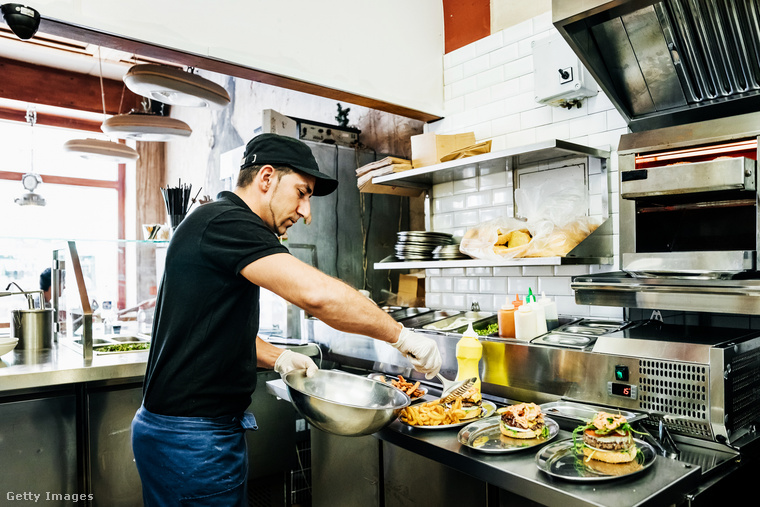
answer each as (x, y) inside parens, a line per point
(449, 253)
(419, 245)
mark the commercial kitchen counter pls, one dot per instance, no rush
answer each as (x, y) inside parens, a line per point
(663, 483)
(62, 365)
(66, 428)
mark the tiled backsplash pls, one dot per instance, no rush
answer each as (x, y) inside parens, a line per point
(489, 91)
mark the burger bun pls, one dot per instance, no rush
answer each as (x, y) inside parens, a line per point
(611, 456)
(470, 412)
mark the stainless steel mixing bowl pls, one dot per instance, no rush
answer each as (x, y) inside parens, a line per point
(344, 404)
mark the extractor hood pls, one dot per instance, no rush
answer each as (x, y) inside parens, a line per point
(670, 62)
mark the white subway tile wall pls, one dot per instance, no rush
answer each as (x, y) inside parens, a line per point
(488, 90)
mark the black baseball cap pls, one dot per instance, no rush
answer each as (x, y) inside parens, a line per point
(273, 149)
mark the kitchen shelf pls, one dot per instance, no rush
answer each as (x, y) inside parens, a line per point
(393, 263)
(425, 177)
(595, 249)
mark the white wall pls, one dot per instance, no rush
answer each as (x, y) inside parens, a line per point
(390, 51)
(196, 159)
(489, 89)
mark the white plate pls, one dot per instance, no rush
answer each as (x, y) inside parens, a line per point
(7, 344)
(487, 408)
(485, 436)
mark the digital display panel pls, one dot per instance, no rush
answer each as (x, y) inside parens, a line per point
(622, 390)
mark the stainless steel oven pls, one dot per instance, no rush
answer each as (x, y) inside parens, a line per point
(689, 204)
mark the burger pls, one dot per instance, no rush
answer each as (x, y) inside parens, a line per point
(471, 403)
(524, 420)
(607, 437)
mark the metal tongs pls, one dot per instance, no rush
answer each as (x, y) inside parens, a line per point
(664, 443)
(454, 389)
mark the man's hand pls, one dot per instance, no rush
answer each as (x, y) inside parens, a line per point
(422, 351)
(289, 361)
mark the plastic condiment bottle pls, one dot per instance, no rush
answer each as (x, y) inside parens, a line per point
(538, 311)
(506, 318)
(550, 312)
(525, 323)
(469, 352)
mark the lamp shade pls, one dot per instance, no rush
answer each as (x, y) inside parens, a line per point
(175, 86)
(145, 127)
(96, 148)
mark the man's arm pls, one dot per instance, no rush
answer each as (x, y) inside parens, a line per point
(266, 353)
(340, 307)
(323, 296)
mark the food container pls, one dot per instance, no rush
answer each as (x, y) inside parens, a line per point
(426, 318)
(480, 326)
(33, 327)
(459, 321)
(405, 313)
(344, 404)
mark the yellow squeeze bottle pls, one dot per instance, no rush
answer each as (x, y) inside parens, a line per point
(469, 352)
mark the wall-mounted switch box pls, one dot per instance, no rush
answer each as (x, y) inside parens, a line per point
(560, 78)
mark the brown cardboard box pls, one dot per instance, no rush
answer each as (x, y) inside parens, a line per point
(428, 149)
(411, 290)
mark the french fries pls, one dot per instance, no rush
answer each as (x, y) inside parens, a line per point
(433, 414)
(412, 390)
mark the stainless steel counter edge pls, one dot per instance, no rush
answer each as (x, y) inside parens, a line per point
(665, 483)
(60, 365)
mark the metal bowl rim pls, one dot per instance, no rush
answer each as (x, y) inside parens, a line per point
(407, 400)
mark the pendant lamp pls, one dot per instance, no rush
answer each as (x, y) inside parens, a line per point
(145, 127)
(174, 86)
(97, 148)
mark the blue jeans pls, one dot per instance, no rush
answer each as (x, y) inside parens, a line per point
(194, 461)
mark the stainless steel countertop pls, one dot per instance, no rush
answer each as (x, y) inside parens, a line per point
(21, 369)
(666, 483)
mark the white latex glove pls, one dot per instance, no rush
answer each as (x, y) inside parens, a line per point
(289, 361)
(421, 351)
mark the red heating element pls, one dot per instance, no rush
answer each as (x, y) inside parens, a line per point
(747, 149)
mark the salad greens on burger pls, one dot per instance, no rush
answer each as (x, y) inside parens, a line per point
(607, 437)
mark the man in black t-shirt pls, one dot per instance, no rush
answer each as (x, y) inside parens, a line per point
(188, 437)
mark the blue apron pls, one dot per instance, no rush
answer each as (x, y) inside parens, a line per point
(194, 461)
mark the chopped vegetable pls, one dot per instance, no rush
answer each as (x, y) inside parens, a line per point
(491, 329)
(123, 347)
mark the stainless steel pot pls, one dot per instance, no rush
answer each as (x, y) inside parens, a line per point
(33, 328)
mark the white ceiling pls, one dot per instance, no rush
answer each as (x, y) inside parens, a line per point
(67, 54)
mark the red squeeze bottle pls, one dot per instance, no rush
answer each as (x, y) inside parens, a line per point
(506, 318)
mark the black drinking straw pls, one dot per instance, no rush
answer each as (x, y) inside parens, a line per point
(177, 201)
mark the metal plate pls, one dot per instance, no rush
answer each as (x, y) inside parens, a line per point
(561, 460)
(485, 436)
(487, 409)
(579, 413)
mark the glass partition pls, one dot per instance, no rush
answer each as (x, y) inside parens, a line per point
(119, 279)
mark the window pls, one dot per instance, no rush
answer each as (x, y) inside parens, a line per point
(84, 201)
